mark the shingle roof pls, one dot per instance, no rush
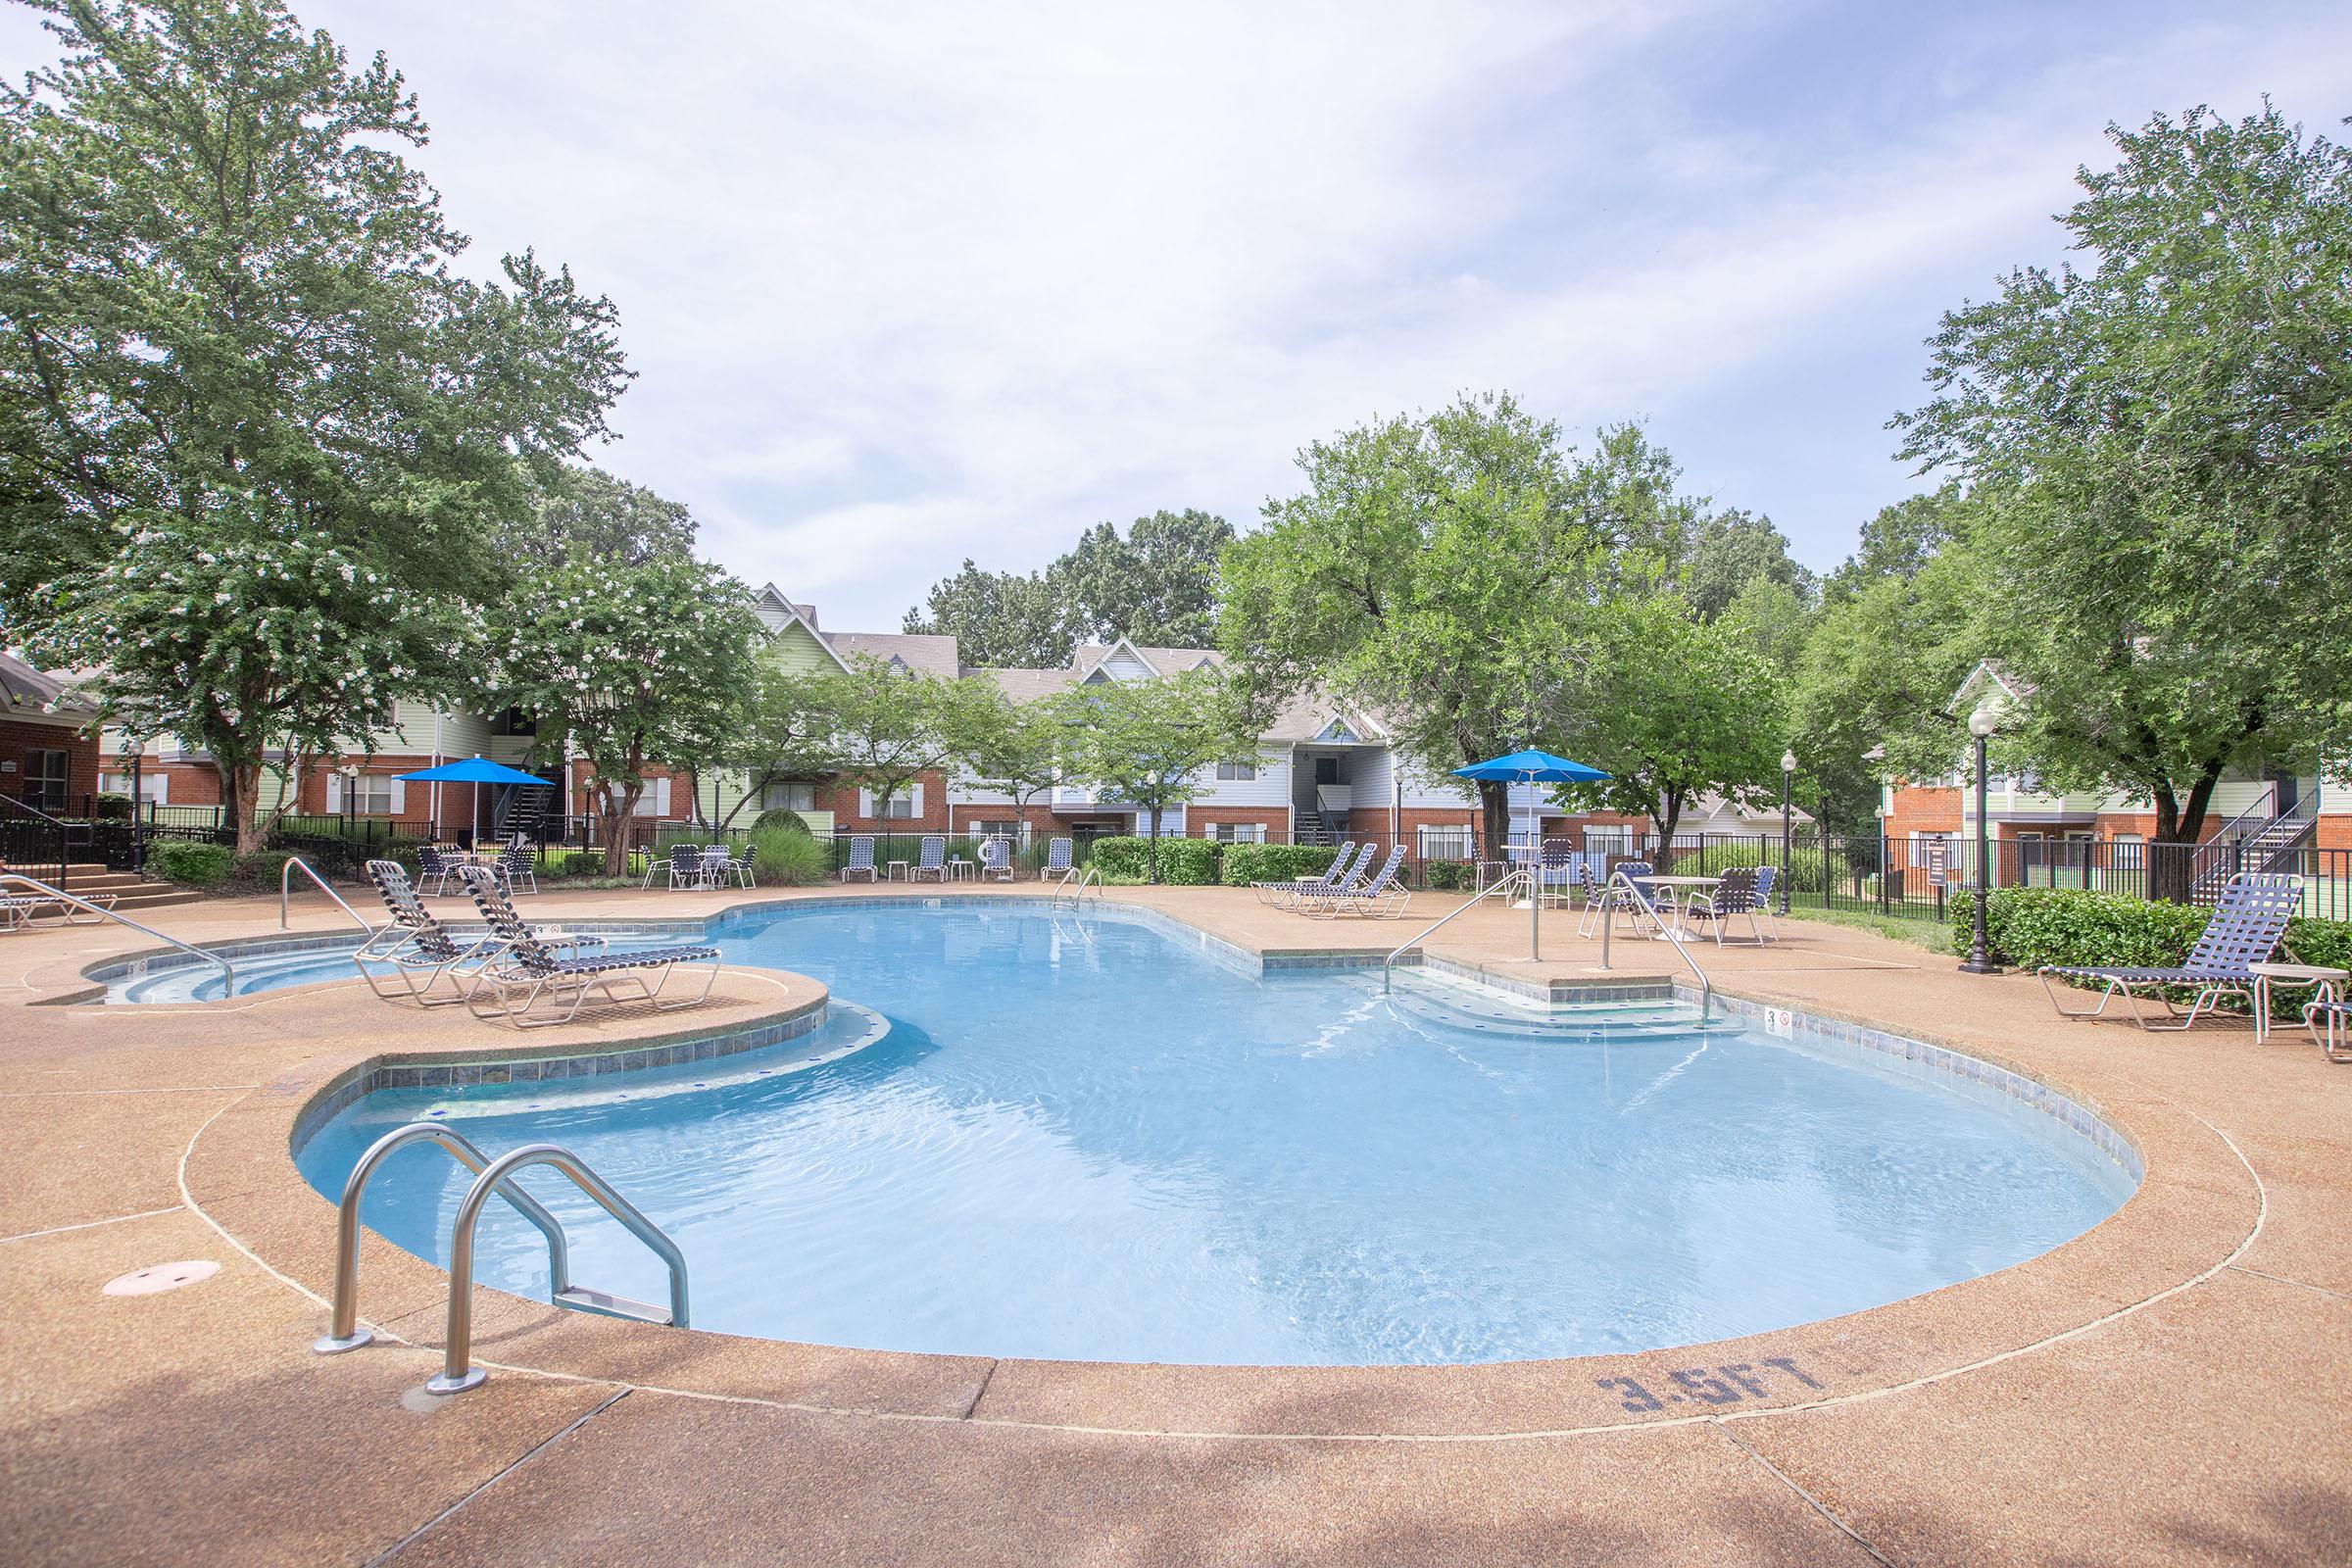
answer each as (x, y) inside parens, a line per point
(918, 650)
(36, 693)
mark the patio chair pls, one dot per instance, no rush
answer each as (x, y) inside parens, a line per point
(932, 861)
(861, 860)
(1343, 861)
(996, 859)
(1768, 878)
(721, 864)
(1554, 875)
(1735, 894)
(1058, 866)
(2243, 930)
(535, 967)
(1597, 899)
(436, 863)
(1383, 898)
(686, 869)
(420, 952)
(2337, 1015)
(516, 868)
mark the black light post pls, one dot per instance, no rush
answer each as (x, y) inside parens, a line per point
(1979, 961)
(138, 803)
(1788, 792)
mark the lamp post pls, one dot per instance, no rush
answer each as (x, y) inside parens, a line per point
(1787, 795)
(1981, 726)
(138, 803)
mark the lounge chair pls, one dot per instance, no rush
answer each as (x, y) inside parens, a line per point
(1058, 866)
(2243, 930)
(861, 858)
(16, 909)
(1735, 894)
(932, 861)
(528, 964)
(420, 951)
(721, 864)
(996, 859)
(1768, 878)
(1342, 866)
(2337, 1015)
(1383, 898)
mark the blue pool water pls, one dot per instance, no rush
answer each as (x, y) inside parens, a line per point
(1087, 1138)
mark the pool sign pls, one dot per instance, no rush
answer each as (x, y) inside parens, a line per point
(1780, 1022)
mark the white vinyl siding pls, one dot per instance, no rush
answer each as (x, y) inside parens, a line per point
(1269, 785)
(1425, 793)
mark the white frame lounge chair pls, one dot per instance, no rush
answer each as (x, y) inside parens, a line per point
(1342, 866)
(528, 964)
(1059, 867)
(931, 859)
(420, 952)
(995, 858)
(1384, 898)
(861, 858)
(2244, 929)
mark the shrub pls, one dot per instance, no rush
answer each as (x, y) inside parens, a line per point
(1183, 862)
(790, 859)
(194, 865)
(1808, 868)
(264, 870)
(2029, 928)
(1246, 863)
(782, 817)
(584, 862)
(1448, 876)
(111, 809)
(2321, 942)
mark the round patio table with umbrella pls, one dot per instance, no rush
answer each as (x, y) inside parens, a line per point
(476, 771)
(1532, 767)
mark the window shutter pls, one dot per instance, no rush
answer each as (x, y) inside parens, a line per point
(865, 804)
(660, 797)
(918, 799)
(334, 792)
(400, 797)
(158, 786)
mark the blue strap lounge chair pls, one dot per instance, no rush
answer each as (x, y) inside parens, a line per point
(1343, 861)
(932, 860)
(1059, 867)
(1735, 894)
(1347, 868)
(861, 861)
(996, 859)
(2335, 1018)
(1383, 898)
(528, 966)
(2244, 929)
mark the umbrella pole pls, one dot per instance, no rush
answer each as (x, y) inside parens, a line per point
(1535, 882)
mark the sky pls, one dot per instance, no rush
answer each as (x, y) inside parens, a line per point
(908, 283)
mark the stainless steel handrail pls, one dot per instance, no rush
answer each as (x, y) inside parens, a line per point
(1608, 919)
(1090, 877)
(1482, 895)
(343, 1328)
(228, 973)
(285, 891)
(457, 1372)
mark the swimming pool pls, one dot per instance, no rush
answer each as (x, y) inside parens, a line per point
(1094, 1140)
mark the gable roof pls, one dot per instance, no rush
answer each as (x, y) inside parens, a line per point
(38, 694)
(921, 651)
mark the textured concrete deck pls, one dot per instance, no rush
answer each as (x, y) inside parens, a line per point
(2170, 1387)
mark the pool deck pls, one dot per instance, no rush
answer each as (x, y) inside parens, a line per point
(2174, 1385)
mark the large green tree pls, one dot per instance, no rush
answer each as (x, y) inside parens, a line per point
(587, 515)
(1729, 549)
(1437, 571)
(1000, 619)
(637, 665)
(2155, 442)
(1152, 743)
(886, 725)
(228, 307)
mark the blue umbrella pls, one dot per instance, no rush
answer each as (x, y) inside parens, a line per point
(1532, 767)
(475, 770)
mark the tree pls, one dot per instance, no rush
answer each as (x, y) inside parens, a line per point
(1000, 619)
(1017, 747)
(1671, 709)
(1156, 586)
(227, 307)
(640, 667)
(784, 733)
(1149, 743)
(886, 726)
(1900, 541)
(1434, 569)
(587, 515)
(1730, 550)
(2156, 449)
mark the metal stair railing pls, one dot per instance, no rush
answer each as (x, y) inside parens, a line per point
(1092, 877)
(457, 1372)
(1608, 920)
(228, 973)
(1389, 963)
(285, 891)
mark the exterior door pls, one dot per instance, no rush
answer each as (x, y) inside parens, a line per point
(1327, 770)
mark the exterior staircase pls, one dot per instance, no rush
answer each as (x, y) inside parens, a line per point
(2254, 841)
(133, 893)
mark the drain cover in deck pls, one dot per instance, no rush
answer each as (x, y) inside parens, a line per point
(159, 1277)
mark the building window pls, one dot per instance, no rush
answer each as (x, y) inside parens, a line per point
(788, 796)
(994, 830)
(898, 807)
(46, 774)
(1237, 772)
(1449, 842)
(156, 786)
(1235, 832)
(372, 794)
(1618, 840)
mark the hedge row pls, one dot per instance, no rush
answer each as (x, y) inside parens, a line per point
(1246, 863)
(2028, 927)
(1183, 862)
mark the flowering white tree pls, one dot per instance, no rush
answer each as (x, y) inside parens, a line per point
(270, 649)
(640, 665)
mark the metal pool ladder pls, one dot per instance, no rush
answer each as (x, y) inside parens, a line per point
(457, 1372)
(1389, 963)
(1090, 877)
